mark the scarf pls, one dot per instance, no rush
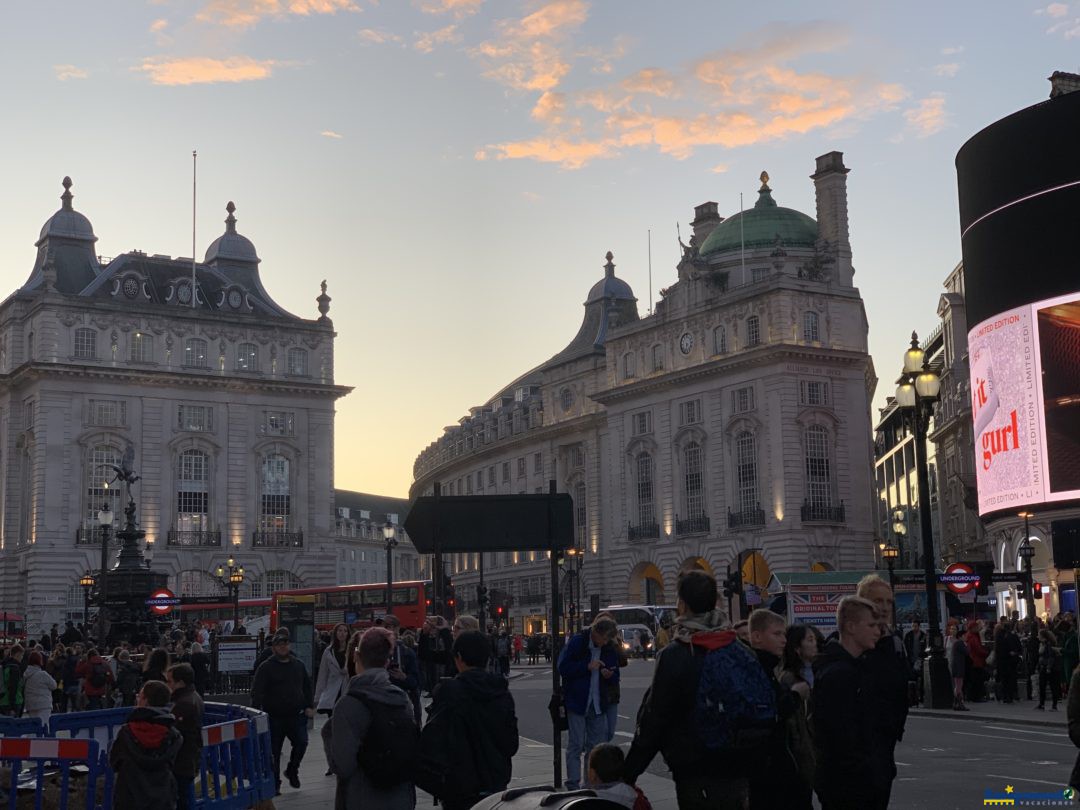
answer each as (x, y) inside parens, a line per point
(685, 626)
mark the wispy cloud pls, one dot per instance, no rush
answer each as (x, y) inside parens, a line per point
(947, 70)
(201, 70)
(459, 8)
(651, 81)
(377, 36)
(928, 117)
(157, 26)
(1056, 10)
(247, 13)
(426, 41)
(719, 168)
(329, 133)
(65, 72)
(531, 196)
(952, 50)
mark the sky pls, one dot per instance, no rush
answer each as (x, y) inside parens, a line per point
(457, 169)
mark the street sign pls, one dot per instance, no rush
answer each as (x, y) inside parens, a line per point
(1008, 576)
(162, 601)
(752, 594)
(959, 578)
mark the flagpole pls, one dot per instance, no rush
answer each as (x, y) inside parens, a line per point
(194, 175)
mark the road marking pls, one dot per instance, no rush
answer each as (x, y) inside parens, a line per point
(1026, 731)
(905, 764)
(999, 737)
(624, 734)
(623, 717)
(1045, 762)
(534, 743)
(1024, 779)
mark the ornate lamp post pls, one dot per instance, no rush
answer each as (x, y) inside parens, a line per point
(105, 519)
(232, 578)
(916, 393)
(576, 555)
(87, 582)
(889, 554)
(1026, 552)
(389, 530)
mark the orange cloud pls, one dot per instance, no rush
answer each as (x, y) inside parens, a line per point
(567, 153)
(66, 72)
(197, 70)
(427, 40)
(650, 81)
(329, 133)
(459, 8)
(247, 13)
(376, 36)
(550, 107)
(553, 19)
(928, 118)
(157, 26)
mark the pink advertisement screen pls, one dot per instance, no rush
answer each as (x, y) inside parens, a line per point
(1025, 398)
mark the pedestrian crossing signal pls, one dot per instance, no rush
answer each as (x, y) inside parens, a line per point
(1036, 590)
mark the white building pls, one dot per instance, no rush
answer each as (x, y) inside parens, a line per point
(227, 399)
(361, 543)
(731, 427)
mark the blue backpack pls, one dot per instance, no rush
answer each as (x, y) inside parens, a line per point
(736, 704)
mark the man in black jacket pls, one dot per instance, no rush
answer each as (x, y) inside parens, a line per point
(847, 776)
(468, 744)
(188, 711)
(282, 689)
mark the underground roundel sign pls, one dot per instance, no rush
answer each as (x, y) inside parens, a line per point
(960, 578)
(162, 601)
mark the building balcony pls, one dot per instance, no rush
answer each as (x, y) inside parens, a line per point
(694, 525)
(817, 513)
(277, 539)
(747, 518)
(193, 538)
(644, 531)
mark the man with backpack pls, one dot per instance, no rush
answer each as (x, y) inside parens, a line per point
(97, 679)
(375, 739)
(709, 709)
(468, 744)
(11, 683)
(586, 664)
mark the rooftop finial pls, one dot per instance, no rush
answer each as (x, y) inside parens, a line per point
(230, 220)
(67, 195)
(764, 181)
(324, 304)
(609, 268)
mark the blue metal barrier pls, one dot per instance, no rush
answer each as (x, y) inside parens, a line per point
(61, 754)
(21, 727)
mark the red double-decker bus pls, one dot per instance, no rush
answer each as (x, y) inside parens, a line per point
(220, 610)
(359, 605)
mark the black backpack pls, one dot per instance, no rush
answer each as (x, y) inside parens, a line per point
(98, 678)
(391, 745)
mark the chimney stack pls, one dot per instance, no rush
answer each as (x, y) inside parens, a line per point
(706, 218)
(830, 192)
(1062, 83)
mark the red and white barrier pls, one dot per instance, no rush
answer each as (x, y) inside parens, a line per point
(30, 748)
(225, 732)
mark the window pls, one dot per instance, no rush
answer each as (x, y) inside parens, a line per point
(491, 476)
(629, 366)
(810, 331)
(521, 467)
(814, 392)
(580, 512)
(693, 481)
(278, 423)
(753, 330)
(297, 362)
(193, 492)
(468, 485)
(642, 423)
(566, 399)
(646, 513)
(538, 463)
(719, 337)
(99, 469)
(142, 348)
(28, 413)
(247, 357)
(506, 472)
(274, 580)
(480, 480)
(577, 456)
(690, 412)
(746, 470)
(657, 357)
(275, 503)
(195, 417)
(759, 273)
(107, 413)
(86, 344)
(742, 399)
(194, 582)
(818, 483)
(195, 353)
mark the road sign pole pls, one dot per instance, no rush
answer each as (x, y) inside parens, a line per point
(556, 647)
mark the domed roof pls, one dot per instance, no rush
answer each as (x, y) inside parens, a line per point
(761, 225)
(67, 223)
(610, 286)
(231, 246)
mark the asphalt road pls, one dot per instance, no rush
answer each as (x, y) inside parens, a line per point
(942, 763)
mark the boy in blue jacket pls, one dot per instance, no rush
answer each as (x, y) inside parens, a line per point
(587, 660)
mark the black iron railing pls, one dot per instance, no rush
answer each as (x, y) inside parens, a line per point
(643, 531)
(746, 518)
(819, 513)
(185, 537)
(694, 525)
(277, 539)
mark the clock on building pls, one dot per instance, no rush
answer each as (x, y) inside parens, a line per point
(686, 343)
(131, 286)
(183, 293)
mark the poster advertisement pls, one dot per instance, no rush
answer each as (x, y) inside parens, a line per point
(1025, 398)
(816, 604)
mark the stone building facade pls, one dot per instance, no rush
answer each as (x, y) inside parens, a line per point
(226, 399)
(730, 427)
(361, 544)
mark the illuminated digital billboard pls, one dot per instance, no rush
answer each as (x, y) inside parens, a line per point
(1019, 190)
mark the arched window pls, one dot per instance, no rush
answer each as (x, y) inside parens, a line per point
(646, 509)
(753, 330)
(247, 357)
(193, 582)
(658, 357)
(746, 473)
(818, 476)
(566, 399)
(297, 362)
(142, 348)
(275, 580)
(629, 366)
(86, 344)
(580, 512)
(195, 353)
(193, 492)
(275, 503)
(810, 331)
(693, 481)
(99, 470)
(719, 336)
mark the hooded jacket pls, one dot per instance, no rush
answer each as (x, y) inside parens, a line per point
(332, 681)
(471, 736)
(282, 688)
(350, 722)
(38, 688)
(665, 721)
(85, 670)
(142, 757)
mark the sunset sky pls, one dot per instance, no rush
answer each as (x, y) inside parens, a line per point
(457, 169)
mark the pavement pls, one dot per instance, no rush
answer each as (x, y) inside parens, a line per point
(1022, 712)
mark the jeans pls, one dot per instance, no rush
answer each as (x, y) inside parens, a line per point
(293, 727)
(586, 732)
(612, 717)
(185, 793)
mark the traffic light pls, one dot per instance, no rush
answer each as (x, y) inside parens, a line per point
(482, 596)
(733, 584)
(499, 610)
(985, 570)
(1021, 590)
(1036, 590)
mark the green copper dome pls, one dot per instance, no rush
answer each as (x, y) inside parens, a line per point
(760, 226)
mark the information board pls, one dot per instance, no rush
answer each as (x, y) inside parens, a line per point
(236, 654)
(297, 613)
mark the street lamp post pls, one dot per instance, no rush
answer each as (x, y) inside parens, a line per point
(391, 541)
(890, 553)
(232, 577)
(917, 391)
(87, 582)
(576, 554)
(105, 519)
(1026, 552)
